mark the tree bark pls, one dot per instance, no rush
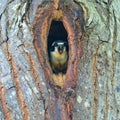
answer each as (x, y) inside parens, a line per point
(24, 92)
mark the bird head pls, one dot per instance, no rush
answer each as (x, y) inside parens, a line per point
(59, 46)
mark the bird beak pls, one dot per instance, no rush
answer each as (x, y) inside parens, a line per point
(60, 49)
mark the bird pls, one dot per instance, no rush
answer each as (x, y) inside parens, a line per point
(59, 56)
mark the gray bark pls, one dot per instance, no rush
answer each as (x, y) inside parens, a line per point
(24, 94)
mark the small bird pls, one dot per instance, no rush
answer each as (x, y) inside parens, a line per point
(59, 56)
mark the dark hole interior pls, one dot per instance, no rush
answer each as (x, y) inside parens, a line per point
(56, 32)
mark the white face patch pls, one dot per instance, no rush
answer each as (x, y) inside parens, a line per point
(58, 44)
(61, 43)
(56, 49)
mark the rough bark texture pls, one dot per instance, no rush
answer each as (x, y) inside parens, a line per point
(24, 94)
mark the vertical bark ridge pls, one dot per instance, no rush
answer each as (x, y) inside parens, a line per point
(7, 112)
(19, 93)
(106, 103)
(95, 81)
(113, 48)
(35, 76)
(114, 60)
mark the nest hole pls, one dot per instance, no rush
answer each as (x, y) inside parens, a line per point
(57, 32)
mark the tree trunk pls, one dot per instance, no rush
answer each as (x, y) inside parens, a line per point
(26, 90)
